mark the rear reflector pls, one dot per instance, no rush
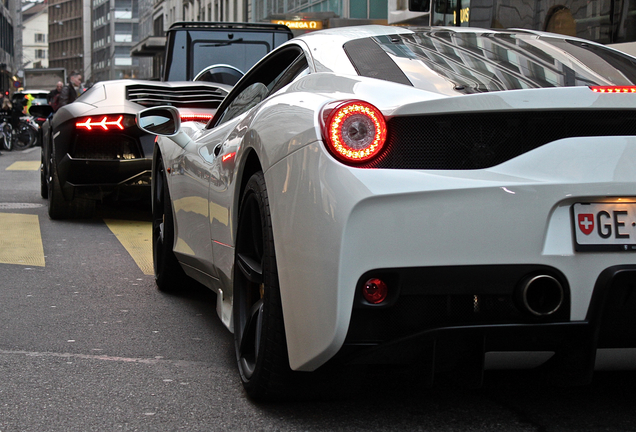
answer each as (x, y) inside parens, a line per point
(375, 291)
(613, 89)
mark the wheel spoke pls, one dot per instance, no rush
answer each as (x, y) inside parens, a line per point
(251, 335)
(250, 268)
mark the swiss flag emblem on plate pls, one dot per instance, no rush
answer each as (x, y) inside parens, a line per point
(586, 223)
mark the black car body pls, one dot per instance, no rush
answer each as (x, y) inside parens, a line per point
(92, 148)
(218, 51)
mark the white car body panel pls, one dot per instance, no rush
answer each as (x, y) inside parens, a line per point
(535, 226)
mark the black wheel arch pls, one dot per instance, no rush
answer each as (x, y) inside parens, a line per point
(250, 166)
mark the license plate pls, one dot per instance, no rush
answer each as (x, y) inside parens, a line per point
(605, 226)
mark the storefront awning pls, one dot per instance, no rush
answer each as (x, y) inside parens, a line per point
(149, 47)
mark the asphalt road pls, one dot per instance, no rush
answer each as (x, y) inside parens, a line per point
(87, 343)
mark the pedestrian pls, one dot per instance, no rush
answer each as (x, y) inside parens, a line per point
(70, 91)
(53, 98)
(6, 106)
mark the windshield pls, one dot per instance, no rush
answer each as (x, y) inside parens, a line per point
(194, 50)
(448, 62)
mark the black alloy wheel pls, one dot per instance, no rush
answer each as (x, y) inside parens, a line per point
(259, 332)
(169, 275)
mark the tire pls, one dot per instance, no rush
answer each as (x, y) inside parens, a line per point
(59, 208)
(259, 332)
(25, 137)
(44, 188)
(6, 132)
(169, 274)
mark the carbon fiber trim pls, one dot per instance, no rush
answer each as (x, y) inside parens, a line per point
(370, 60)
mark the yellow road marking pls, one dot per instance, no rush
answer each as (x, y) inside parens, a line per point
(20, 240)
(24, 166)
(136, 237)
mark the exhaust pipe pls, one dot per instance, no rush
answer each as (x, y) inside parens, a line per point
(540, 295)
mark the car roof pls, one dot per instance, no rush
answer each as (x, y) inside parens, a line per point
(32, 91)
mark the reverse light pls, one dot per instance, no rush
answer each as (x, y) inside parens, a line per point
(375, 291)
(355, 131)
(104, 122)
(613, 89)
(196, 117)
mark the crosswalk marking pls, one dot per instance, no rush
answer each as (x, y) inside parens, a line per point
(136, 238)
(24, 166)
(20, 240)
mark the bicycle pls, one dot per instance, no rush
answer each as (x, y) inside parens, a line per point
(6, 133)
(20, 138)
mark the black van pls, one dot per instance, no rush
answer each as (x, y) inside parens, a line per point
(218, 51)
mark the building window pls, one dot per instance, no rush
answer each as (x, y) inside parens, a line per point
(123, 61)
(40, 38)
(123, 14)
(158, 26)
(40, 53)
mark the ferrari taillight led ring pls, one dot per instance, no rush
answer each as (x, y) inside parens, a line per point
(355, 131)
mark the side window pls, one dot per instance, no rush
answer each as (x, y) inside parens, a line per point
(297, 68)
(267, 77)
(247, 99)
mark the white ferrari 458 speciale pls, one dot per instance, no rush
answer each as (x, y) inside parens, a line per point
(452, 198)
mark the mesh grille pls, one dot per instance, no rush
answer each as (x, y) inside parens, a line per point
(412, 314)
(194, 96)
(105, 147)
(429, 298)
(482, 140)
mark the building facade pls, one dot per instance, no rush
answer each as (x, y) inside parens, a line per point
(67, 28)
(8, 10)
(35, 32)
(115, 29)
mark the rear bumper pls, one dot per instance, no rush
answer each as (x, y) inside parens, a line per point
(461, 348)
(94, 179)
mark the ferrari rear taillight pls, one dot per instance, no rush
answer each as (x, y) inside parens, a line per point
(613, 89)
(102, 123)
(355, 131)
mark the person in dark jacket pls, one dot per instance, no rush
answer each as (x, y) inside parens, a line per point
(53, 97)
(70, 91)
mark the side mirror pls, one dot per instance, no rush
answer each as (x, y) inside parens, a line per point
(40, 110)
(163, 121)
